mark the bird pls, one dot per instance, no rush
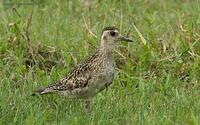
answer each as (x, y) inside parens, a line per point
(92, 75)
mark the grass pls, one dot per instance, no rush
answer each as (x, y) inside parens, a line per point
(156, 83)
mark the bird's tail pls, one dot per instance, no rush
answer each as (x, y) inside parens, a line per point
(40, 91)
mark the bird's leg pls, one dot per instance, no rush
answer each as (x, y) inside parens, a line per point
(88, 105)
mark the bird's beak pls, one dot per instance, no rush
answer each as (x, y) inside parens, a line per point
(124, 38)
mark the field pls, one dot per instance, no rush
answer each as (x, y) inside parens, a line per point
(157, 83)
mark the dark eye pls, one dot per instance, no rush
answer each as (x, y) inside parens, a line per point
(112, 33)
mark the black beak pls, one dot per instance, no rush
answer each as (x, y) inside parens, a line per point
(124, 38)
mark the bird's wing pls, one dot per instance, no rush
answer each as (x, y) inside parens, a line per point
(77, 78)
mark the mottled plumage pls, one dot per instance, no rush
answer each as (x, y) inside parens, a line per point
(91, 76)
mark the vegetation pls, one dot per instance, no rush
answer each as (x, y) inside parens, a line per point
(157, 83)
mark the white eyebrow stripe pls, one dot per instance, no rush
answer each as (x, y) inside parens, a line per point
(116, 31)
(107, 31)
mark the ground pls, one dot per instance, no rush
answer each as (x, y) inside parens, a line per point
(157, 83)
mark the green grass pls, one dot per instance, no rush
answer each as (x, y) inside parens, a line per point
(157, 83)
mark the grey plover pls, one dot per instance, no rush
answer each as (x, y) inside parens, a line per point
(92, 75)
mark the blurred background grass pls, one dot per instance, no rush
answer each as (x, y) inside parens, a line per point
(157, 83)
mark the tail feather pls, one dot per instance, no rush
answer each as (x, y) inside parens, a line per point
(40, 91)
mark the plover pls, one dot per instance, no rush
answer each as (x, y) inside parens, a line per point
(92, 75)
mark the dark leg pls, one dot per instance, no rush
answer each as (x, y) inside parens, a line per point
(88, 105)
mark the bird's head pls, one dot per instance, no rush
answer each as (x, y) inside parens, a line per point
(111, 35)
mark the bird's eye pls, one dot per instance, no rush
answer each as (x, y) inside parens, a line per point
(112, 33)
